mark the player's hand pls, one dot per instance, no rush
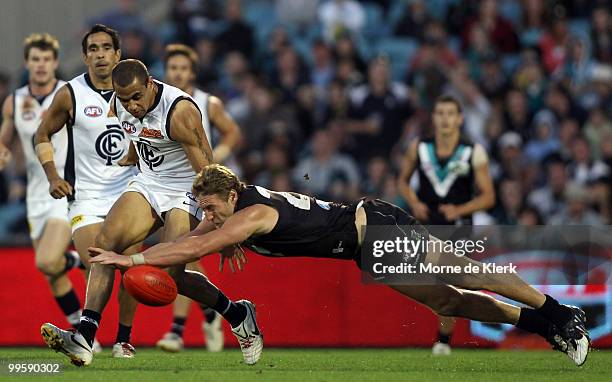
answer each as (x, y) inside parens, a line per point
(233, 254)
(421, 212)
(58, 188)
(126, 161)
(450, 211)
(101, 256)
(5, 156)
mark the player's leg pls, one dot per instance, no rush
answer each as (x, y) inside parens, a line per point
(53, 261)
(211, 324)
(446, 326)
(192, 284)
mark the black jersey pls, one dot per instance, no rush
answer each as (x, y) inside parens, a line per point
(445, 181)
(305, 227)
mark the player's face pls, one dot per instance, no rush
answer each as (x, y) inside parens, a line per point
(179, 72)
(446, 117)
(216, 209)
(41, 65)
(136, 98)
(101, 56)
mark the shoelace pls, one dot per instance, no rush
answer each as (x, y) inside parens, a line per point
(246, 343)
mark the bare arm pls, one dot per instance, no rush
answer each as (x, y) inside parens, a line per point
(230, 132)
(55, 118)
(419, 208)
(6, 131)
(484, 183)
(186, 128)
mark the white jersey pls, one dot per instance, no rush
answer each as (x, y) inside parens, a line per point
(27, 116)
(161, 159)
(95, 143)
(201, 99)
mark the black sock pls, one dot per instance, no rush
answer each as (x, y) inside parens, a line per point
(70, 305)
(555, 312)
(231, 311)
(123, 333)
(532, 321)
(72, 262)
(444, 338)
(90, 321)
(209, 313)
(178, 325)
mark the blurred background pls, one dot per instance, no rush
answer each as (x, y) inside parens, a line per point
(305, 78)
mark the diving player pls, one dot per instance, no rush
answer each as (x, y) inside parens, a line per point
(289, 224)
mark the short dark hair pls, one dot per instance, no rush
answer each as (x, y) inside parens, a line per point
(182, 50)
(126, 71)
(42, 41)
(104, 29)
(447, 98)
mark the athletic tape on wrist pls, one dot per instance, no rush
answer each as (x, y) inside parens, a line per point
(138, 259)
(44, 152)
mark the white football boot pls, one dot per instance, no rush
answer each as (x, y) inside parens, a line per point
(170, 342)
(441, 348)
(70, 342)
(248, 335)
(577, 337)
(213, 334)
(123, 350)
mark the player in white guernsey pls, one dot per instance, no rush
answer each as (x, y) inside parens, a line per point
(166, 126)
(93, 180)
(181, 63)
(47, 217)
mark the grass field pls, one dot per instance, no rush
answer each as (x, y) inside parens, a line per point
(328, 365)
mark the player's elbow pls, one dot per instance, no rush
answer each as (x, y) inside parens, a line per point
(489, 201)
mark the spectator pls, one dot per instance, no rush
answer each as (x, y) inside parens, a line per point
(345, 50)
(238, 35)
(193, 18)
(568, 131)
(511, 155)
(553, 45)
(531, 79)
(544, 141)
(601, 35)
(289, 75)
(379, 110)
(576, 210)
(413, 20)
(208, 75)
(301, 13)
(493, 81)
(511, 202)
(325, 169)
(583, 168)
(597, 127)
(500, 31)
(275, 162)
(535, 14)
(340, 16)
(322, 69)
(235, 67)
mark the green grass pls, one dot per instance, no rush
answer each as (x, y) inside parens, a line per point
(378, 365)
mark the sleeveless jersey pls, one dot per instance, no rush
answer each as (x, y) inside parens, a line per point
(201, 99)
(95, 143)
(27, 116)
(161, 158)
(443, 181)
(306, 226)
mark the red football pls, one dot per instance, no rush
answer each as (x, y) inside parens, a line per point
(150, 285)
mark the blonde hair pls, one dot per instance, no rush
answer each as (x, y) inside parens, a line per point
(42, 41)
(182, 50)
(216, 179)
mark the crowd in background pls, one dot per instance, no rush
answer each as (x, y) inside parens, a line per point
(328, 94)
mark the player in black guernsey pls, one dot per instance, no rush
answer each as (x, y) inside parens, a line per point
(450, 170)
(288, 224)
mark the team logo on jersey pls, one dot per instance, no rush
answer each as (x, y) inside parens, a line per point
(108, 144)
(150, 133)
(28, 115)
(131, 129)
(93, 111)
(147, 153)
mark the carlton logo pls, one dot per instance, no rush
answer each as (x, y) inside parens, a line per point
(93, 111)
(131, 129)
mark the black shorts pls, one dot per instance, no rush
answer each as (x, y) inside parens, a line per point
(397, 224)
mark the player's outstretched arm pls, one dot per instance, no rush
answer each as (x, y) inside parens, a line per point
(254, 220)
(186, 128)
(230, 132)
(55, 118)
(419, 209)
(6, 131)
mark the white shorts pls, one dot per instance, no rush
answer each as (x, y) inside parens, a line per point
(41, 211)
(163, 197)
(89, 211)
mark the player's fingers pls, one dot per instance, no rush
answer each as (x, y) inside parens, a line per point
(231, 264)
(239, 264)
(221, 261)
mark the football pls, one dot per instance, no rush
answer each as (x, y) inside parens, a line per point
(150, 285)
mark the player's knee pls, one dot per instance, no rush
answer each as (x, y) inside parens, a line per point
(106, 241)
(49, 267)
(448, 304)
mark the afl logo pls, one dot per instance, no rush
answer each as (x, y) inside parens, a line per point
(28, 115)
(93, 111)
(108, 144)
(131, 129)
